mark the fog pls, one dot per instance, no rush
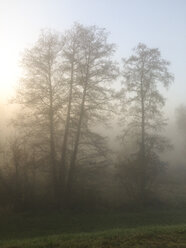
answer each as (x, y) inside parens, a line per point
(92, 104)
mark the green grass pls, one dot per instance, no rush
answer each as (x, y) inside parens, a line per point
(145, 229)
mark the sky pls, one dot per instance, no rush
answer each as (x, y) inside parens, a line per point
(157, 23)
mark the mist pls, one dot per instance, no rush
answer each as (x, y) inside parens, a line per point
(93, 120)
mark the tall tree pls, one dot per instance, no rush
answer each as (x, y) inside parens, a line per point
(144, 73)
(69, 65)
(40, 93)
(95, 71)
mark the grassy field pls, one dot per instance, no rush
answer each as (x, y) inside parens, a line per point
(145, 229)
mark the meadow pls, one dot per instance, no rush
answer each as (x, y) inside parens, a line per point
(139, 229)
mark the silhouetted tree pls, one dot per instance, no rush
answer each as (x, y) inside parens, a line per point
(95, 71)
(69, 66)
(40, 94)
(64, 93)
(143, 74)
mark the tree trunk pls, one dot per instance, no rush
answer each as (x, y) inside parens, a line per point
(65, 139)
(17, 181)
(52, 140)
(76, 145)
(142, 149)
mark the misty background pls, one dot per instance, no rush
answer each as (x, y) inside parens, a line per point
(157, 24)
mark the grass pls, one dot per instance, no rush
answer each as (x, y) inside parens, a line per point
(145, 229)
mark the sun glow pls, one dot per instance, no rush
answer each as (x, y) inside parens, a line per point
(9, 71)
(11, 44)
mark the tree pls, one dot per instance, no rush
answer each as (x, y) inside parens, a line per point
(69, 65)
(181, 120)
(40, 94)
(143, 74)
(65, 92)
(94, 72)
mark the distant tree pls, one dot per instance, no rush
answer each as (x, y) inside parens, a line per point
(144, 73)
(181, 120)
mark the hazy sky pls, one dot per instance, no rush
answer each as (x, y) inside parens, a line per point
(157, 23)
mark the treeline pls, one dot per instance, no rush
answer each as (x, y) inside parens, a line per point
(56, 157)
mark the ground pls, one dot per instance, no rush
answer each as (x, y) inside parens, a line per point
(139, 229)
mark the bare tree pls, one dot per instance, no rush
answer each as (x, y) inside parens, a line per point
(143, 74)
(95, 71)
(69, 65)
(40, 93)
